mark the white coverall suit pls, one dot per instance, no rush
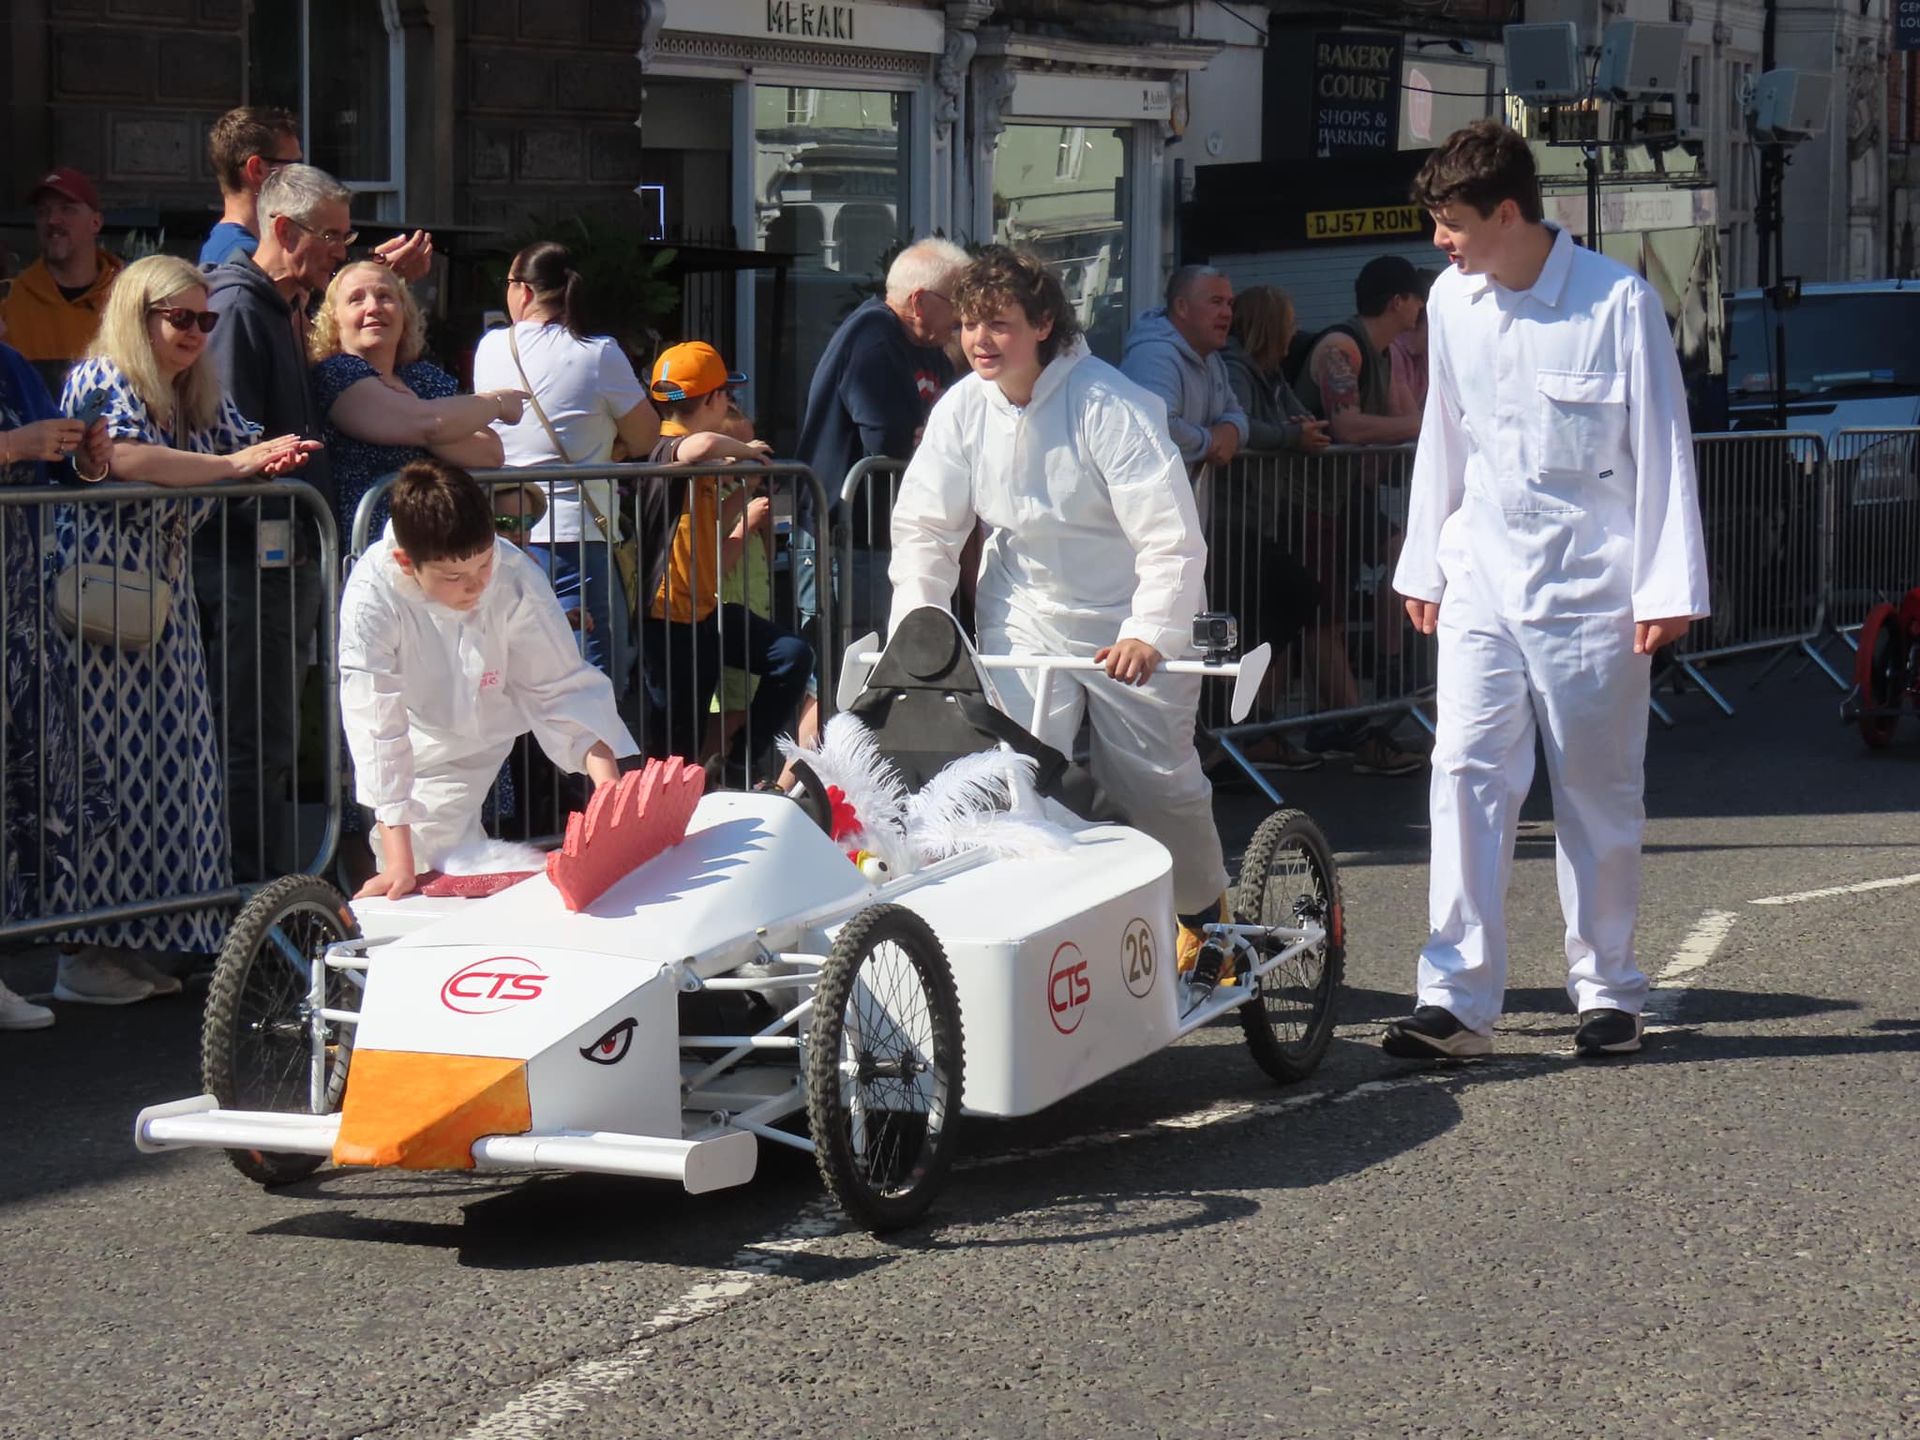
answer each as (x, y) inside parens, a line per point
(1094, 540)
(1553, 505)
(433, 698)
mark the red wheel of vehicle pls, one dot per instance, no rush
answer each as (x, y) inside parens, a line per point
(1880, 670)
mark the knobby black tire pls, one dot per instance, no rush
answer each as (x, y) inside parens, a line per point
(884, 1202)
(1880, 674)
(1293, 1055)
(244, 1064)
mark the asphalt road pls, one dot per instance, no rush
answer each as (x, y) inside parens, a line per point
(1715, 1239)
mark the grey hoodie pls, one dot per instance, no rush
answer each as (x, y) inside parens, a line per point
(1158, 359)
(260, 360)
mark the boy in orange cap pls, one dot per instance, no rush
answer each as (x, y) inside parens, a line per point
(687, 635)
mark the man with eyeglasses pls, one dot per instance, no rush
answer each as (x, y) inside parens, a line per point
(271, 549)
(245, 146)
(54, 305)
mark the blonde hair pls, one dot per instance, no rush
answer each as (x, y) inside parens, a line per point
(324, 337)
(192, 402)
(1263, 324)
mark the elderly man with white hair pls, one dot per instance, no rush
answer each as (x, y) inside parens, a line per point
(876, 381)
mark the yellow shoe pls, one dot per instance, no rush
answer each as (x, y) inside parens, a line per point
(1190, 938)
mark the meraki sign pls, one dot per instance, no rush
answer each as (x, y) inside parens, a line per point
(845, 24)
(803, 20)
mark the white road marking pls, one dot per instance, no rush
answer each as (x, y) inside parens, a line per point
(1892, 883)
(536, 1411)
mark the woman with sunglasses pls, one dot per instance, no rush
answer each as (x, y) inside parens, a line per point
(146, 711)
(586, 400)
(381, 405)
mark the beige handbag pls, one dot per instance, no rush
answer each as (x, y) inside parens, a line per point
(105, 605)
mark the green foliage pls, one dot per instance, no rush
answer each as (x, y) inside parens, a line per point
(631, 292)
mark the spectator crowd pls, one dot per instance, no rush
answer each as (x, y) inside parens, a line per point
(157, 713)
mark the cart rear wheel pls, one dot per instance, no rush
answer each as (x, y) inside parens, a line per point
(884, 1068)
(255, 1042)
(1288, 877)
(1880, 670)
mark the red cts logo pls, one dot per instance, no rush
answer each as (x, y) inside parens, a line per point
(1068, 988)
(487, 987)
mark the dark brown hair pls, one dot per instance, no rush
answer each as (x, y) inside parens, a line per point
(999, 277)
(241, 134)
(1263, 324)
(547, 268)
(1481, 165)
(440, 513)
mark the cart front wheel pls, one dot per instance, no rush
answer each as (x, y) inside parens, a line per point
(1880, 670)
(884, 1068)
(256, 1042)
(1288, 878)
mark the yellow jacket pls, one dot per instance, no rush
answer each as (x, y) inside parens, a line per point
(42, 324)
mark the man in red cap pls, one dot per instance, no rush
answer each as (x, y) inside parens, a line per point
(55, 304)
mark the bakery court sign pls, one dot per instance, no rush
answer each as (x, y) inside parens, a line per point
(865, 24)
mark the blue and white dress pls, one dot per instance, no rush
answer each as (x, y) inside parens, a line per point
(148, 712)
(41, 814)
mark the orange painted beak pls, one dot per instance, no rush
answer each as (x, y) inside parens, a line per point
(423, 1112)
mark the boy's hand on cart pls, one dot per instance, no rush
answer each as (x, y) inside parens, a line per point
(1650, 635)
(602, 768)
(1131, 662)
(1425, 615)
(396, 878)
(389, 884)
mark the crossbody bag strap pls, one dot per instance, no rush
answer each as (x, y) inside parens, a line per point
(540, 414)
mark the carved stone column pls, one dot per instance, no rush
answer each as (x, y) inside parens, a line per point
(950, 184)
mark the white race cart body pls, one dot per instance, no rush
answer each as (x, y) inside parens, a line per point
(663, 1029)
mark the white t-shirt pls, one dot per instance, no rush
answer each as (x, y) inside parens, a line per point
(585, 386)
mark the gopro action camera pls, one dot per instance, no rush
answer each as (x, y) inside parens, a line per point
(1216, 633)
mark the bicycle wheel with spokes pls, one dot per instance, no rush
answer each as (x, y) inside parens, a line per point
(1879, 669)
(256, 1043)
(1287, 878)
(884, 1067)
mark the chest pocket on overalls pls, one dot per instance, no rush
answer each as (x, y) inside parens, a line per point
(1582, 419)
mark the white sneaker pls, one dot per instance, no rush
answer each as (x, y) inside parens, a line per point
(134, 963)
(19, 1013)
(97, 977)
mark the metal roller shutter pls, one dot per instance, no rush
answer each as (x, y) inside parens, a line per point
(1320, 281)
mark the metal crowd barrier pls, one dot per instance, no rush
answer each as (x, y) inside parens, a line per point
(863, 535)
(1764, 503)
(1875, 523)
(172, 737)
(657, 679)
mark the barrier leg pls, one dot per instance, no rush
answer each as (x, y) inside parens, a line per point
(1693, 673)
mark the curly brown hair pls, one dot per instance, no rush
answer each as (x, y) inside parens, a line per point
(1001, 276)
(1481, 165)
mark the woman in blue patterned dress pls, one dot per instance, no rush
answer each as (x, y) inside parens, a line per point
(146, 711)
(380, 404)
(40, 771)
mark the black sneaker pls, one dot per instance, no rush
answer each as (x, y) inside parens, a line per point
(1607, 1032)
(1433, 1033)
(1378, 755)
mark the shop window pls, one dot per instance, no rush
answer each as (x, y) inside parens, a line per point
(337, 65)
(1073, 216)
(832, 187)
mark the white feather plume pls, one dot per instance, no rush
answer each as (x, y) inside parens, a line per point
(849, 758)
(493, 857)
(1001, 833)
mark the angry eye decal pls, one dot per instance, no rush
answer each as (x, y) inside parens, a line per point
(611, 1048)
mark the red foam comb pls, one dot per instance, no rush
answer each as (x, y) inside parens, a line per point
(624, 826)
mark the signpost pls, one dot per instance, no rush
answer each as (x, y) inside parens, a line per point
(1356, 93)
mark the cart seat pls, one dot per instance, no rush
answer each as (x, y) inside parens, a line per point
(927, 704)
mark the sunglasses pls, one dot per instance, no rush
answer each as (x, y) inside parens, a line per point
(325, 237)
(183, 319)
(511, 524)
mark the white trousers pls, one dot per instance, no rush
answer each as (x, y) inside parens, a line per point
(1142, 752)
(454, 798)
(1580, 687)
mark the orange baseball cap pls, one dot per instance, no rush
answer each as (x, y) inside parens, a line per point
(689, 370)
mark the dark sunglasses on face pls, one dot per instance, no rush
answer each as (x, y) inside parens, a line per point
(181, 318)
(510, 524)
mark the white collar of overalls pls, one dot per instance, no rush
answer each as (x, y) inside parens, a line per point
(1551, 285)
(1051, 379)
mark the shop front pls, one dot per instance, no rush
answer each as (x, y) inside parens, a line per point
(800, 129)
